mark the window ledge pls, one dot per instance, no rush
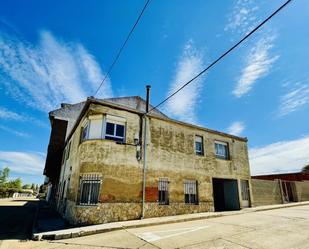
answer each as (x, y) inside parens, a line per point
(103, 140)
(222, 158)
(87, 205)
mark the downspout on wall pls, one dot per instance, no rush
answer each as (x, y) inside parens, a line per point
(145, 119)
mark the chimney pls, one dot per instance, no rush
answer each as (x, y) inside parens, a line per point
(147, 97)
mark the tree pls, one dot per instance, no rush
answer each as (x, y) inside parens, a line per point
(305, 169)
(4, 175)
(26, 186)
(15, 184)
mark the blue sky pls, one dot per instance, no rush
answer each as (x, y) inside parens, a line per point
(58, 51)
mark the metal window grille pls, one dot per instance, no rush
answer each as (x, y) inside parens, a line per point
(90, 189)
(190, 191)
(163, 191)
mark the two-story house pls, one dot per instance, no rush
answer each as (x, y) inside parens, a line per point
(188, 168)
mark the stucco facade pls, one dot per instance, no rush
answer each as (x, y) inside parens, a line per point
(119, 166)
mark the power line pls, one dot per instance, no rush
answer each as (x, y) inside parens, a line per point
(223, 55)
(122, 47)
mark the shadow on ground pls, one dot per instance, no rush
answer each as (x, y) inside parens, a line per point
(16, 218)
(48, 219)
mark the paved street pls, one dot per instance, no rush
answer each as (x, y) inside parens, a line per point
(279, 228)
(16, 219)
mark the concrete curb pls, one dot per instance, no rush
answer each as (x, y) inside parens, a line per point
(108, 227)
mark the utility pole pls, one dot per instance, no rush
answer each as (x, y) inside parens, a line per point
(145, 142)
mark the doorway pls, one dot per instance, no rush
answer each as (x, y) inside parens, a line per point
(225, 193)
(289, 191)
(245, 193)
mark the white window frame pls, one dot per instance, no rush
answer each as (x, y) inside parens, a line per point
(197, 152)
(226, 156)
(116, 121)
(188, 191)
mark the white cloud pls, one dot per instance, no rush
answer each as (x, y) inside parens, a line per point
(258, 63)
(242, 18)
(31, 163)
(53, 71)
(9, 115)
(236, 128)
(13, 131)
(280, 157)
(183, 104)
(297, 97)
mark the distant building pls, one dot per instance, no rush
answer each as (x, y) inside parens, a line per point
(100, 177)
(297, 176)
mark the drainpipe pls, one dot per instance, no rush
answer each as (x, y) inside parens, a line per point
(145, 150)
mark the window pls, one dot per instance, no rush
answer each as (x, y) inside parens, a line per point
(67, 155)
(190, 190)
(199, 150)
(95, 127)
(90, 189)
(84, 134)
(163, 191)
(104, 127)
(222, 150)
(114, 131)
(63, 156)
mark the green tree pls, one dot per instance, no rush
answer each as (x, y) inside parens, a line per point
(33, 186)
(305, 169)
(15, 184)
(26, 186)
(4, 173)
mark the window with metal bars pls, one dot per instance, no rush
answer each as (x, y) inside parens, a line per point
(190, 191)
(163, 191)
(89, 189)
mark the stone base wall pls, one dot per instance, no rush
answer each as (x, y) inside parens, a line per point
(104, 213)
(265, 192)
(156, 210)
(112, 212)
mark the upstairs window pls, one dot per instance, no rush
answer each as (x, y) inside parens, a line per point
(89, 189)
(222, 150)
(67, 155)
(95, 127)
(115, 129)
(190, 190)
(84, 133)
(199, 147)
(163, 191)
(104, 127)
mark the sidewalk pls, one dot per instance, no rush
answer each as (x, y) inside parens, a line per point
(94, 229)
(47, 220)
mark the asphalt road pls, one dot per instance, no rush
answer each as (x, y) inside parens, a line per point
(16, 218)
(280, 228)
